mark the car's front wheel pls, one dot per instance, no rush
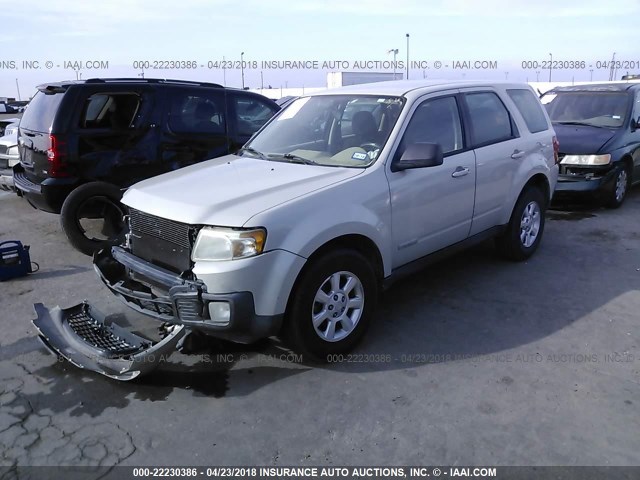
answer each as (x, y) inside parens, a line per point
(332, 305)
(616, 195)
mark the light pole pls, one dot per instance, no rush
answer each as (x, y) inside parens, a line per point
(395, 53)
(537, 75)
(550, 63)
(407, 56)
(591, 75)
(506, 76)
(242, 68)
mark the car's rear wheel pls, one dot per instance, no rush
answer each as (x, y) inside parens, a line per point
(524, 231)
(332, 305)
(617, 194)
(92, 217)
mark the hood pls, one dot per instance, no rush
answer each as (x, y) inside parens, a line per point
(582, 139)
(229, 190)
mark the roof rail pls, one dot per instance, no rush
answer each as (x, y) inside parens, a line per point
(153, 80)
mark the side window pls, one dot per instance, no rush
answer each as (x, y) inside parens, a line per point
(435, 121)
(490, 119)
(110, 110)
(252, 113)
(530, 109)
(636, 107)
(197, 113)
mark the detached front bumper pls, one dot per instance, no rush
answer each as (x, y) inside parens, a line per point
(80, 335)
(167, 297)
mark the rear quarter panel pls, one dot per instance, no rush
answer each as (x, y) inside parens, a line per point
(539, 158)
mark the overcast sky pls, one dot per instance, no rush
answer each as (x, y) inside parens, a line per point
(123, 31)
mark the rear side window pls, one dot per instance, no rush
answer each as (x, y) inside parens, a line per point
(197, 113)
(110, 110)
(530, 109)
(252, 114)
(41, 112)
(490, 119)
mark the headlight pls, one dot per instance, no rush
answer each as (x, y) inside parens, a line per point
(217, 244)
(586, 159)
(13, 151)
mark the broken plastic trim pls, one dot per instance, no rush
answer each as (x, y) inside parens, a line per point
(80, 336)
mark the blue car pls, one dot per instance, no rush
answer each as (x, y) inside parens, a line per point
(598, 127)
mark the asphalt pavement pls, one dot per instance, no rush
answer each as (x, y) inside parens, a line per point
(474, 361)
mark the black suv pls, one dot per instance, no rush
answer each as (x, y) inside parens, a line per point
(598, 127)
(82, 142)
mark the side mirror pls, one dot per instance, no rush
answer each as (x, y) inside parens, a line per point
(419, 155)
(635, 124)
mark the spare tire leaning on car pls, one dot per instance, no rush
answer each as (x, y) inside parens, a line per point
(104, 199)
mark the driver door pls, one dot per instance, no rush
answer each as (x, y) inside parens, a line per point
(432, 207)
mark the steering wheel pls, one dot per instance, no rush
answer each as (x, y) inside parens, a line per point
(369, 147)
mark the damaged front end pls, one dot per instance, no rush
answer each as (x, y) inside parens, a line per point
(79, 334)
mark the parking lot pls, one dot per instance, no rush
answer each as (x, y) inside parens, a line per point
(474, 361)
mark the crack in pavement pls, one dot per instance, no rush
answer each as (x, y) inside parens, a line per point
(36, 436)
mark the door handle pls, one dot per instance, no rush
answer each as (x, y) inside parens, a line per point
(460, 172)
(517, 154)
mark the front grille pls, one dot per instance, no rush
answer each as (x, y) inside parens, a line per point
(3, 149)
(163, 242)
(162, 228)
(96, 334)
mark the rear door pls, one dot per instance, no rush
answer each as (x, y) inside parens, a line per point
(113, 134)
(34, 130)
(195, 126)
(498, 149)
(248, 112)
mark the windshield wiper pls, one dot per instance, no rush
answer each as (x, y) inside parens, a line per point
(293, 158)
(581, 123)
(255, 152)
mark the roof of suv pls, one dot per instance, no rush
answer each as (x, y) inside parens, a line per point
(403, 87)
(138, 81)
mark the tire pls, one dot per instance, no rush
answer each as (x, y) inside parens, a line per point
(104, 199)
(616, 195)
(525, 228)
(299, 331)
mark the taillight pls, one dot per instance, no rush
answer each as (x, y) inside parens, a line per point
(556, 149)
(57, 155)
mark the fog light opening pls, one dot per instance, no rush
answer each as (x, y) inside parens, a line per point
(219, 313)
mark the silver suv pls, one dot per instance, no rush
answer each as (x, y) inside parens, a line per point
(336, 196)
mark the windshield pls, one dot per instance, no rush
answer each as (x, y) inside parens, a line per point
(600, 109)
(331, 130)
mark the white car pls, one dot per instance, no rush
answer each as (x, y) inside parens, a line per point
(9, 155)
(339, 194)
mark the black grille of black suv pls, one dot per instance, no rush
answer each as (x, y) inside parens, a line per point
(163, 242)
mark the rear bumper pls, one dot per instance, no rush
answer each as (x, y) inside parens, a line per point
(165, 296)
(48, 195)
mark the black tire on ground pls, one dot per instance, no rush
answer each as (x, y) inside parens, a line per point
(298, 331)
(613, 198)
(510, 244)
(101, 193)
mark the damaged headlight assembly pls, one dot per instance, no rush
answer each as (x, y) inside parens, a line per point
(220, 244)
(590, 160)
